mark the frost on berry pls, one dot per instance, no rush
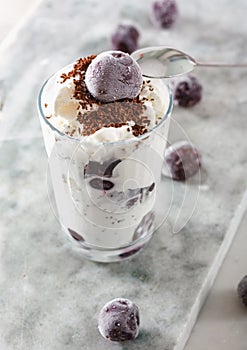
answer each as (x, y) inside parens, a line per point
(125, 38)
(187, 91)
(113, 75)
(182, 160)
(242, 290)
(165, 13)
(119, 320)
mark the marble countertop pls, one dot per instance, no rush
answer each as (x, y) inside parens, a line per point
(222, 321)
(49, 296)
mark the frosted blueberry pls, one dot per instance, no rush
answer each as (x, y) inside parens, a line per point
(125, 38)
(242, 290)
(182, 160)
(101, 169)
(119, 320)
(101, 184)
(187, 91)
(165, 12)
(113, 75)
(145, 227)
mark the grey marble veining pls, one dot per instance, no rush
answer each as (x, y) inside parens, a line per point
(49, 295)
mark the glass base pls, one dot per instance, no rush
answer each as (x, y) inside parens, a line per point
(106, 255)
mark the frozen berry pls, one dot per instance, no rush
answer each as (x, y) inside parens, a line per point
(182, 160)
(2, 94)
(131, 197)
(242, 290)
(119, 320)
(187, 91)
(75, 235)
(113, 75)
(109, 167)
(165, 12)
(129, 253)
(125, 38)
(132, 202)
(101, 169)
(146, 226)
(100, 184)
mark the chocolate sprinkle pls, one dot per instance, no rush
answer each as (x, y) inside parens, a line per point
(112, 114)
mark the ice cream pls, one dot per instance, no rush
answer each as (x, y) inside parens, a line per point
(105, 160)
(71, 114)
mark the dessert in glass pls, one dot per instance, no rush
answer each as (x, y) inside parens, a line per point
(105, 130)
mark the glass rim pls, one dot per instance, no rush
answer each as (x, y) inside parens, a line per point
(83, 139)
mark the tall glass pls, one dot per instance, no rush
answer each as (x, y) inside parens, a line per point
(105, 193)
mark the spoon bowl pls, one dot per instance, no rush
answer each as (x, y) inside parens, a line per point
(166, 62)
(163, 62)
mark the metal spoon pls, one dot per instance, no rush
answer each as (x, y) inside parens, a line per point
(166, 62)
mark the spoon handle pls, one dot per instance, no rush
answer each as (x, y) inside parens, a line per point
(218, 64)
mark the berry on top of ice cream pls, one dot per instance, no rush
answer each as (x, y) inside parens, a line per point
(119, 320)
(125, 38)
(112, 76)
(165, 12)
